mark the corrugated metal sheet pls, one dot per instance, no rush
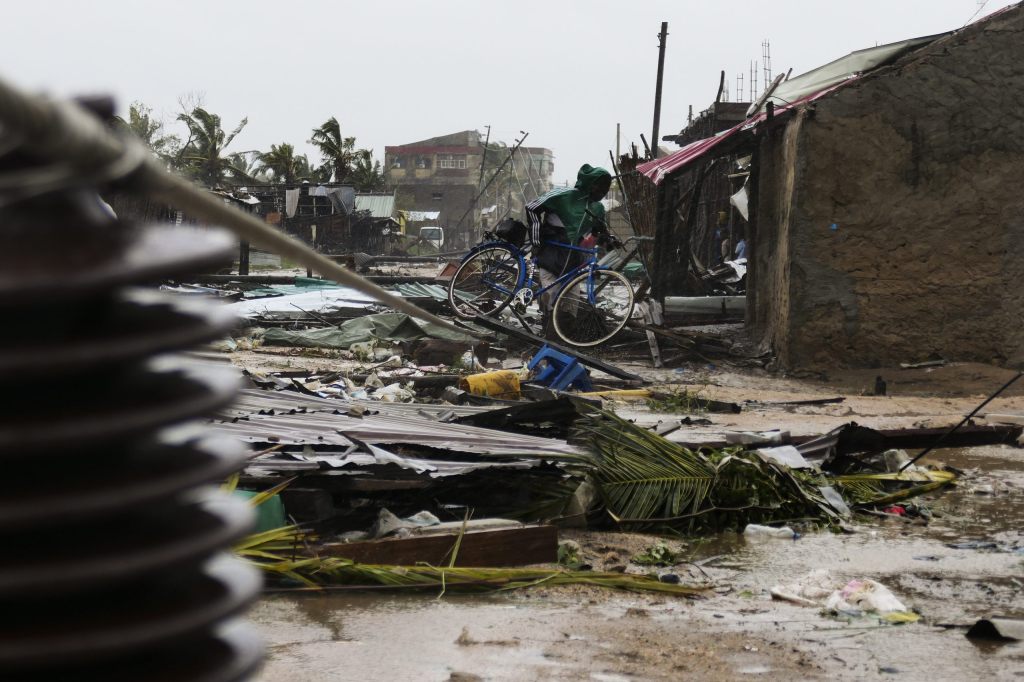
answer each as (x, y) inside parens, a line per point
(379, 205)
(420, 290)
(299, 425)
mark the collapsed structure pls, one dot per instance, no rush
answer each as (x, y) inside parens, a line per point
(883, 205)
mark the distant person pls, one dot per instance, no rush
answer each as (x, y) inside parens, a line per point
(741, 248)
(565, 215)
(721, 240)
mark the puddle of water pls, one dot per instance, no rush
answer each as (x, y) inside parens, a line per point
(399, 637)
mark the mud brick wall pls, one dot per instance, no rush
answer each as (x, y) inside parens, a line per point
(890, 216)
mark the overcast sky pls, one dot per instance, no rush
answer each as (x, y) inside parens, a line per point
(401, 71)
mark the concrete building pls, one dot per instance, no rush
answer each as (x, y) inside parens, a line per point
(442, 175)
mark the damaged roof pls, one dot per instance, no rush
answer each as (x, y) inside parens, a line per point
(789, 94)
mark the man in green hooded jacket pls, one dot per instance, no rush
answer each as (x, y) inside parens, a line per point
(565, 215)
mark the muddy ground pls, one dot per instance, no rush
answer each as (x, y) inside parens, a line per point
(737, 630)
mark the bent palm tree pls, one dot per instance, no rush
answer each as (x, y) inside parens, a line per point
(203, 157)
(150, 130)
(282, 163)
(339, 153)
(367, 175)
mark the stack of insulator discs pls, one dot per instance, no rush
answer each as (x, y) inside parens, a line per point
(115, 539)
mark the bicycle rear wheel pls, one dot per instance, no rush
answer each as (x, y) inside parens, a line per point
(593, 307)
(486, 281)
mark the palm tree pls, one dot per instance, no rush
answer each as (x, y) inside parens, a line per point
(203, 156)
(367, 176)
(339, 153)
(245, 167)
(150, 130)
(282, 163)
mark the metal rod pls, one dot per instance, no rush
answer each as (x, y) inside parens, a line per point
(493, 177)
(963, 421)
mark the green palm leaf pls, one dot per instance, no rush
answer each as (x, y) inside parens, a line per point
(643, 476)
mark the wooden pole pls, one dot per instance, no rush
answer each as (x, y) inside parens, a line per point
(662, 37)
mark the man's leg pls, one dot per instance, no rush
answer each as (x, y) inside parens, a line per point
(547, 301)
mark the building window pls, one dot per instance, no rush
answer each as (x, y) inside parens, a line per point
(422, 162)
(437, 196)
(397, 162)
(451, 161)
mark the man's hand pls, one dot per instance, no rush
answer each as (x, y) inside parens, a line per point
(609, 241)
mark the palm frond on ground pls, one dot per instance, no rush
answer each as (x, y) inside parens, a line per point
(648, 481)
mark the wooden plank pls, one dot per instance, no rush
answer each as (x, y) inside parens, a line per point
(650, 317)
(504, 547)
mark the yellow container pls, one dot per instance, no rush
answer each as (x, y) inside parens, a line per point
(503, 384)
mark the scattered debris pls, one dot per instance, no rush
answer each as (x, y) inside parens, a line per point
(855, 598)
(659, 554)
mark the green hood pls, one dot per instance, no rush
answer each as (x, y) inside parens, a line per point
(572, 205)
(588, 176)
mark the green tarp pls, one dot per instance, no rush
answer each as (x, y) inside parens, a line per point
(382, 327)
(302, 285)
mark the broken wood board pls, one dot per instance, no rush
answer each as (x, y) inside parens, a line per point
(488, 548)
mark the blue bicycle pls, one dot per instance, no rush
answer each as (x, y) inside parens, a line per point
(592, 304)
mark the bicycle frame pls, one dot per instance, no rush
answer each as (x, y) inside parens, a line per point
(528, 288)
(591, 265)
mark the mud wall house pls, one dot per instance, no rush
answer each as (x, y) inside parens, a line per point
(886, 217)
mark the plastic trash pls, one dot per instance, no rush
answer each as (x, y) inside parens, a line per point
(864, 594)
(363, 350)
(468, 361)
(373, 381)
(753, 530)
(856, 597)
(392, 393)
(502, 383)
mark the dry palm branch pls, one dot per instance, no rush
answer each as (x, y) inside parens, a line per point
(289, 555)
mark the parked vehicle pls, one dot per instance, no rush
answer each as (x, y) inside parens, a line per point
(433, 234)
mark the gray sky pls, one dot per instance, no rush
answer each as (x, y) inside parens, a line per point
(401, 71)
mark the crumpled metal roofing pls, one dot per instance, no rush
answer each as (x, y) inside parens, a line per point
(360, 463)
(321, 426)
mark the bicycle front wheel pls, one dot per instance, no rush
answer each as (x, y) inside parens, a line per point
(593, 307)
(485, 282)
